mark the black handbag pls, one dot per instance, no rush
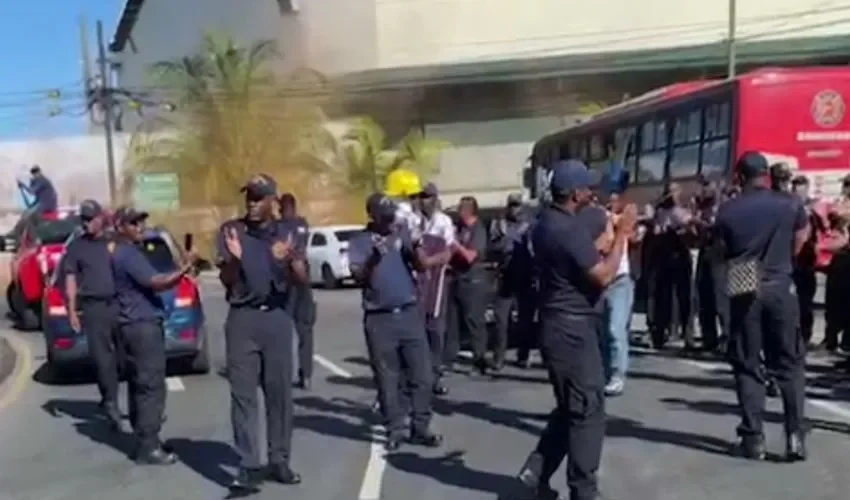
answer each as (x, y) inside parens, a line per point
(744, 274)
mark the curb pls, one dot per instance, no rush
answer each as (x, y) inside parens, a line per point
(8, 360)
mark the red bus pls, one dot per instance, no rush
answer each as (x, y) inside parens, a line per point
(791, 115)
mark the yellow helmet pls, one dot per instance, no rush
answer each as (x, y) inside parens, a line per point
(402, 182)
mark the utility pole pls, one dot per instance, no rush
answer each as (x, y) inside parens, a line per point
(105, 99)
(731, 54)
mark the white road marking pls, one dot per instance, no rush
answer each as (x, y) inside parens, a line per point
(373, 478)
(175, 384)
(837, 409)
(332, 367)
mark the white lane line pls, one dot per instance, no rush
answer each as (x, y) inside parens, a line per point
(837, 409)
(175, 384)
(373, 478)
(332, 367)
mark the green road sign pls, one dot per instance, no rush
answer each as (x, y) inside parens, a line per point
(156, 192)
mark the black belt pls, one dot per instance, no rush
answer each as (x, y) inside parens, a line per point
(391, 310)
(93, 298)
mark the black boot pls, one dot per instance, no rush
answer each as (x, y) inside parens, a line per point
(247, 481)
(795, 447)
(752, 447)
(282, 474)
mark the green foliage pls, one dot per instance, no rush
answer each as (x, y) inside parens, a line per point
(369, 157)
(234, 118)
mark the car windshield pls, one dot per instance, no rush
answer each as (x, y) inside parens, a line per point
(347, 234)
(56, 231)
(158, 254)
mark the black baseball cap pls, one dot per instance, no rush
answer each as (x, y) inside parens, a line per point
(430, 191)
(129, 215)
(378, 204)
(260, 186)
(752, 164)
(90, 209)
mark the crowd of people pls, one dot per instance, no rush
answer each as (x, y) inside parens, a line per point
(569, 270)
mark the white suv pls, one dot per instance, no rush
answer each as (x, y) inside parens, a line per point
(327, 253)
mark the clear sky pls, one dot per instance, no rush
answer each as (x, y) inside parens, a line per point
(41, 40)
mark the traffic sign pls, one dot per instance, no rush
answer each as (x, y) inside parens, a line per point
(156, 191)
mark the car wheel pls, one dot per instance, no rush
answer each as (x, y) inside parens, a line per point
(28, 315)
(57, 373)
(10, 301)
(200, 363)
(329, 281)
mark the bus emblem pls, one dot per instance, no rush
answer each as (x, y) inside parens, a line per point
(828, 108)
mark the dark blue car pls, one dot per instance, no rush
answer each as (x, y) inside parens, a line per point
(185, 332)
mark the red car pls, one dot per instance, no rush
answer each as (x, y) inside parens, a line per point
(38, 243)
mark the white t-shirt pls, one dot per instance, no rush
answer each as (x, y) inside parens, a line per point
(440, 225)
(624, 268)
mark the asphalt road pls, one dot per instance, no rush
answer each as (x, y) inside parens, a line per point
(668, 436)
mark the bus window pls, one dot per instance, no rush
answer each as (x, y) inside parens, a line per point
(597, 149)
(715, 157)
(653, 154)
(684, 156)
(661, 134)
(715, 146)
(648, 137)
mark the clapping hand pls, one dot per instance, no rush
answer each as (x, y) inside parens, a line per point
(379, 243)
(232, 242)
(282, 248)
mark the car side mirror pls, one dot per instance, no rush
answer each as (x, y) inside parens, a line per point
(8, 243)
(188, 241)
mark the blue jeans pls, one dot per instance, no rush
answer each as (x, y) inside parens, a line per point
(619, 298)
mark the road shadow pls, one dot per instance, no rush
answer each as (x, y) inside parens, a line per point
(84, 374)
(618, 427)
(325, 418)
(451, 469)
(724, 408)
(207, 458)
(90, 422)
(703, 381)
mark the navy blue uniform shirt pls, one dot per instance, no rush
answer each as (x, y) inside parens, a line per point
(262, 280)
(44, 192)
(86, 258)
(743, 224)
(391, 284)
(300, 231)
(133, 280)
(564, 252)
(472, 237)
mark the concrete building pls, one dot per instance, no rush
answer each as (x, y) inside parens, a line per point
(490, 76)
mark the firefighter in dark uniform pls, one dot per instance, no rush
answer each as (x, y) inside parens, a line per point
(140, 316)
(805, 278)
(468, 288)
(673, 267)
(523, 267)
(92, 307)
(382, 259)
(302, 306)
(255, 256)
(713, 305)
(506, 233)
(572, 279)
(762, 231)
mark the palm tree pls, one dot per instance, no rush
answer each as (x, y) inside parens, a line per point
(234, 118)
(369, 158)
